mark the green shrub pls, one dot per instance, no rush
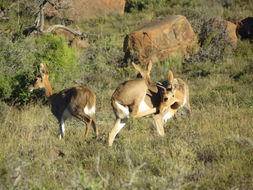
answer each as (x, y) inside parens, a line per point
(20, 62)
(132, 5)
(61, 60)
(138, 5)
(17, 15)
(17, 59)
(5, 3)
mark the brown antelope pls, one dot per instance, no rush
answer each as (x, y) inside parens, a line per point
(174, 97)
(175, 90)
(140, 97)
(78, 101)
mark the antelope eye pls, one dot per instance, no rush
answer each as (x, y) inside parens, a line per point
(169, 89)
(165, 99)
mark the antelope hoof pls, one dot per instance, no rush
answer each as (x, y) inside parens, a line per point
(162, 135)
(60, 136)
(161, 132)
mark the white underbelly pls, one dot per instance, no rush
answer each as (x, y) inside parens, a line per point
(143, 107)
(168, 115)
(89, 111)
(123, 111)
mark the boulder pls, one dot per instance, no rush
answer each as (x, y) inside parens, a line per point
(245, 28)
(231, 31)
(161, 39)
(74, 10)
(219, 29)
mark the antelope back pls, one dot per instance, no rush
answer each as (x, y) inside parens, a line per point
(127, 92)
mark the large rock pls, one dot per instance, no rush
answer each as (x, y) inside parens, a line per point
(220, 30)
(161, 39)
(231, 31)
(245, 28)
(81, 9)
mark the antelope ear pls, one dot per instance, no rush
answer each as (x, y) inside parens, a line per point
(43, 69)
(170, 77)
(136, 67)
(150, 64)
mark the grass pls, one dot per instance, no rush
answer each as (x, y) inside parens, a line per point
(212, 149)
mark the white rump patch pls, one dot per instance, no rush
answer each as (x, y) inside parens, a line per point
(90, 111)
(143, 107)
(168, 116)
(124, 111)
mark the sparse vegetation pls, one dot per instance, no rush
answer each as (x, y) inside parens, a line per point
(210, 150)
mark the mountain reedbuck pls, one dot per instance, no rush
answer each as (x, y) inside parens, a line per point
(174, 96)
(140, 97)
(78, 101)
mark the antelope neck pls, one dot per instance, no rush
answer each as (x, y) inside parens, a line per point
(48, 89)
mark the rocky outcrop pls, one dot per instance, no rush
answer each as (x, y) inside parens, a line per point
(245, 28)
(161, 39)
(231, 31)
(220, 32)
(74, 10)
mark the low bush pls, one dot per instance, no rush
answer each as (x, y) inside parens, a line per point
(137, 5)
(20, 60)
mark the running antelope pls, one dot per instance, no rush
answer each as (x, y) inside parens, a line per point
(140, 97)
(78, 101)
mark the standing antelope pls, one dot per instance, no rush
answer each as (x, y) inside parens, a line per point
(140, 97)
(78, 101)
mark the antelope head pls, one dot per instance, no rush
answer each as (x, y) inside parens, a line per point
(43, 81)
(168, 94)
(37, 84)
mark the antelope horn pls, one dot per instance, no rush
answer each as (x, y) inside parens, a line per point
(162, 87)
(159, 83)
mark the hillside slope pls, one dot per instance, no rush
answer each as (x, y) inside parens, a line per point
(212, 149)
